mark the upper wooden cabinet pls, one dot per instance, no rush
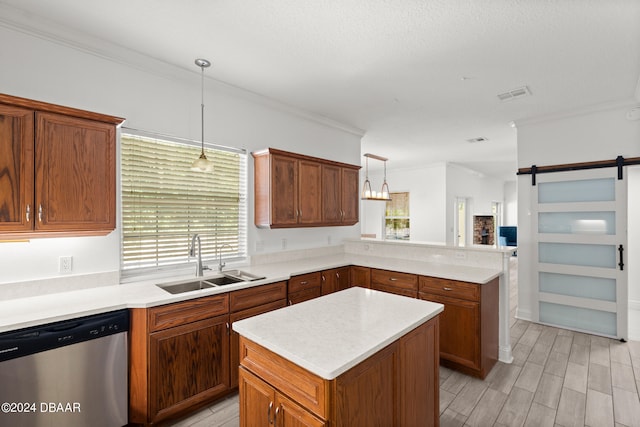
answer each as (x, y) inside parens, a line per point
(293, 190)
(57, 170)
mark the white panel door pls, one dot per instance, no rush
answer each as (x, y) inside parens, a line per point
(581, 223)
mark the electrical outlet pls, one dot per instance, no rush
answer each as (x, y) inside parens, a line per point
(259, 246)
(66, 264)
(329, 240)
(284, 243)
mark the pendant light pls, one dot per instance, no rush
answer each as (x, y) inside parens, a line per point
(202, 164)
(367, 193)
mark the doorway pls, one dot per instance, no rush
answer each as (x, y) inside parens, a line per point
(460, 222)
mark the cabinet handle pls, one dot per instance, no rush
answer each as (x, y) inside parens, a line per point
(269, 412)
(304, 282)
(337, 275)
(290, 303)
(228, 328)
(300, 213)
(393, 279)
(28, 212)
(40, 212)
(323, 278)
(447, 289)
(275, 416)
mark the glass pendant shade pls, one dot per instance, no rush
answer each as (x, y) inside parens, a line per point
(202, 164)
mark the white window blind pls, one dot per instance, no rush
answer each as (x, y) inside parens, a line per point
(164, 203)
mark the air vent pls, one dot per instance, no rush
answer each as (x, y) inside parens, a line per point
(478, 139)
(514, 93)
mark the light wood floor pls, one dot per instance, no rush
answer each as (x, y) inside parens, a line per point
(558, 378)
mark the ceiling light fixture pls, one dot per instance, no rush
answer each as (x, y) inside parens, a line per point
(367, 193)
(202, 164)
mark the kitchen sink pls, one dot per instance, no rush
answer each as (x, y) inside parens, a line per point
(178, 288)
(224, 280)
(242, 275)
(227, 278)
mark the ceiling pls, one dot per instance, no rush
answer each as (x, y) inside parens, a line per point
(418, 77)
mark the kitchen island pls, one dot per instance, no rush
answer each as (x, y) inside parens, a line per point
(358, 357)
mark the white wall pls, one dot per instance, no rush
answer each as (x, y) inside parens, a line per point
(479, 190)
(589, 136)
(432, 195)
(510, 208)
(164, 100)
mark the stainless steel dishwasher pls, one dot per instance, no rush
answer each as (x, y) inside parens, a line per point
(68, 373)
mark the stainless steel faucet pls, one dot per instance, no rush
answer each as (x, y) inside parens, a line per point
(192, 252)
(220, 263)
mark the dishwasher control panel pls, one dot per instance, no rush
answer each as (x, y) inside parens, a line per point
(53, 335)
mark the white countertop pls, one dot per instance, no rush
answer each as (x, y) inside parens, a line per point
(331, 334)
(24, 312)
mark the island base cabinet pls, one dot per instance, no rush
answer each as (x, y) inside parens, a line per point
(397, 386)
(262, 405)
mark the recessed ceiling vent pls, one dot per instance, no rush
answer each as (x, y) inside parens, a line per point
(478, 139)
(514, 94)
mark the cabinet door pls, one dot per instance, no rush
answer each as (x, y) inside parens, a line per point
(257, 399)
(350, 196)
(290, 414)
(342, 278)
(331, 194)
(329, 281)
(360, 276)
(459, 330)
(16, 169)
(188, 364)
(284, 190)
(309, 192)
(75, 174)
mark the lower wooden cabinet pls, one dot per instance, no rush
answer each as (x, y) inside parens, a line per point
(394, 282)
(304, 287)
(334, 280)
(397, 386)
(360, 276)
(264, 406)
(179, 358)
(188, 365)
(469, 323)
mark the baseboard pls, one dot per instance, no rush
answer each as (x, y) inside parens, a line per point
(524, 315)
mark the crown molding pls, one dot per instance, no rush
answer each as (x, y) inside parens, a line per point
(582, 111)
(17, 20)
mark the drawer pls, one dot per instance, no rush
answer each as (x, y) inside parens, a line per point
(304, 281)
(258, 295)
(395, 290)
(302, 386)
(181, 313)
(450, 288)
(395, 279)
(305, 295)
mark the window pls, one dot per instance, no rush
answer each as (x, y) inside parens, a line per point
(397, 217)
(164, 203)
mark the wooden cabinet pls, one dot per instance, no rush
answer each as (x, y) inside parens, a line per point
(469, 323)
(250, 302)
(397, 386)
(340, 202)
(394, 282)
(334, 280)
(58, 170)
(293, 190)
(184, 355)
(179, 358)
(265, 406)
(360, 276)
(304, 287)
